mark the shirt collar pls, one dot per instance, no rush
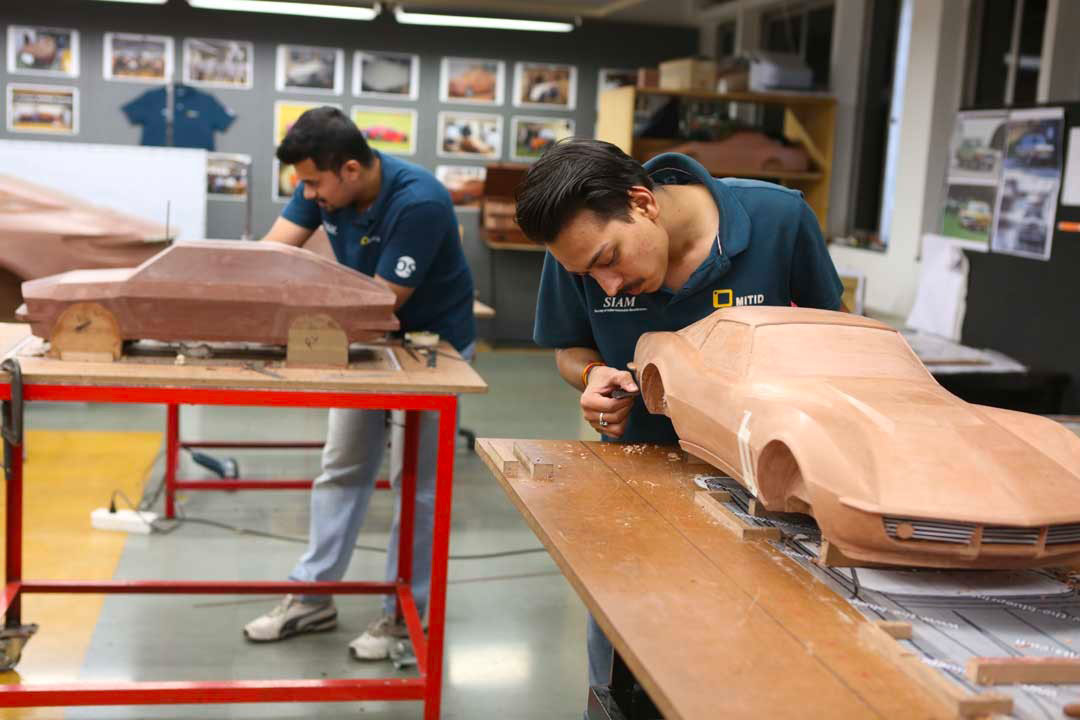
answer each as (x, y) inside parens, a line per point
(388, 170)
(678, 169)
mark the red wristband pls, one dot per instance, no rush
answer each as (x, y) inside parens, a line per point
(586, 370)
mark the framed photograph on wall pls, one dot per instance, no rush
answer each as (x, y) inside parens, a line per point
(472, 80)
(310, 69)
(286, 112)
(391, 130)
(219, 63)
(138, 58)
(33, 50)
(49, 109)
(465, 183)
(547, 86)
(227, 176)
(469, 135)
(531, 136)
(386, 75)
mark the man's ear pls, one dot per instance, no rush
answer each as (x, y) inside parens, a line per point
(643, 201)
(351, 169)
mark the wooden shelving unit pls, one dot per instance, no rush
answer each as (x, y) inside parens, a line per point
(809, 119)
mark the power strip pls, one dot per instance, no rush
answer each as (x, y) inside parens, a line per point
(123, 520)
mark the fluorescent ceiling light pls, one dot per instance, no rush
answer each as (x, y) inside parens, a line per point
(339, 12)
(140, 2)
(415, 18)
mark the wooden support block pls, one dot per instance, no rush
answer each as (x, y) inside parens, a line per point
(317, 340)
(896, 629)
(1023, 670)
(830, 556)
(714, 506)
(953, 698)
(533, 463)
(86, 332)
(505, 459)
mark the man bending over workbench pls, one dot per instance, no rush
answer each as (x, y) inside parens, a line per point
(634, 249)
(394, 221)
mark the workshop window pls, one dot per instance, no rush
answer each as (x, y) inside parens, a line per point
(1004, 52)
(802, 29)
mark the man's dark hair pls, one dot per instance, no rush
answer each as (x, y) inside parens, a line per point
(327, 137)
(576, 174)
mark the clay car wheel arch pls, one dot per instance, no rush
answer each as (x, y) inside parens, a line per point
(780, 480)
(652, 390)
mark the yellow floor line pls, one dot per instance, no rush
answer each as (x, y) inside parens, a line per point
(66, 475)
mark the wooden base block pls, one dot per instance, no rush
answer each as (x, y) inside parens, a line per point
(86, 332)
(317, 340)
(896, 629)
(1023, 670)
(505, 459)
(534, 464)
(713, 504)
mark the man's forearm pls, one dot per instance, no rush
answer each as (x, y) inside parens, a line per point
(571, 361)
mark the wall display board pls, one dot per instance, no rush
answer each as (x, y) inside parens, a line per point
(51, 109)
(472, 80)
(1027, 203)
(138, 58)
(311, 70)
(33, 50)
(465, 183)
(391, 130)
(975, 155)
(531, 136)
(219, 63)
(469, 135)
(540, 85)
(286, 113)
(227, 176)
(170, 183)
(386, 75)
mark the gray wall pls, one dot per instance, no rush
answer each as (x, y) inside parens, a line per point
(589, 47)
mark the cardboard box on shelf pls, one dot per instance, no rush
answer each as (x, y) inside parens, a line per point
(688, 74)
(648, 78)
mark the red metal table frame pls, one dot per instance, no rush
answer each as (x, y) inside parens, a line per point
(429, 650)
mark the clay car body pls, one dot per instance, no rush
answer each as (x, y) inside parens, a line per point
(385, 134)
(219, 290)
(833, 415)
(746, 151)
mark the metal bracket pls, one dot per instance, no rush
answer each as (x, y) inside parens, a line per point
(12, 642)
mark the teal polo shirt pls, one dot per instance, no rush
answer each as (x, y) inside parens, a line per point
(409, 236)
(768, 251)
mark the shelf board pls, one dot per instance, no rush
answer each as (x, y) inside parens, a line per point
(769, 98)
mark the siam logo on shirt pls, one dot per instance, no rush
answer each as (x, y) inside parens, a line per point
(330, 229)
(406, 266)
(619, 304)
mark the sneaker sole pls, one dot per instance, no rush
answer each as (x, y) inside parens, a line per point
(321, 626)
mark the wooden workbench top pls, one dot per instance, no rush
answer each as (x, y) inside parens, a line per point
(451, 375)
(711, 626)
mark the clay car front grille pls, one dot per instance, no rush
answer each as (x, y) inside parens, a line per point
(1063, 534)
(1010, 535)
(929, 530)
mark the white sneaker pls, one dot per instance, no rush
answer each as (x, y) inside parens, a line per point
(376, 641)
(291, 617)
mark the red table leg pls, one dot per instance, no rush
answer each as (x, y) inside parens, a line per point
(440, 552)
(172, 457)
(13, 534)
(408, 499)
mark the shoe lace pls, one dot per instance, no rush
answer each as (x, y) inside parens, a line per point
(282, 607)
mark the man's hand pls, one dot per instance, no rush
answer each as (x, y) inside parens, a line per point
(597, 404)
(287, 232)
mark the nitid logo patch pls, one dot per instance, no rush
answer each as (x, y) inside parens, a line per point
(406, 266)
(726, 298)
(722, 298)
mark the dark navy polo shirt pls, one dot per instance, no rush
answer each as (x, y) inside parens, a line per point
(769, 251)
(196, 117)
(410, 237)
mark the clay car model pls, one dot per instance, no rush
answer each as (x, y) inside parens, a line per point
(218, 290)
(746, 151)
(475, 83)
(833, 415)
(975, 215)
(385, 134)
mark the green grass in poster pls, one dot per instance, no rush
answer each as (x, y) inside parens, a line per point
(953, 228)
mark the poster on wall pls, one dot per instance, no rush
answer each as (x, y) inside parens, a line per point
(227, 176)
(386, 75)
(286, 112)
(533, 135)
(472, 80)
(391, 130)
(469, 135)
(969, 211)
(540, 85)
(50, 109)
(138, 58)
(47, 51)
(977, 146)
(309, 69)
(465, 183)
(1027, 201)
(219, 63)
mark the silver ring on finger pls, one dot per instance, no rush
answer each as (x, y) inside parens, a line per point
(603, 422)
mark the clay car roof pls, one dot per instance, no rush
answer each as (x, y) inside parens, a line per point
(757, 316)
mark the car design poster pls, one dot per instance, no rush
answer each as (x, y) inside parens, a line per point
(1031, 178)
(51, 109)
(35, 50)
(309, 69)
(391, 130)
(975, 160)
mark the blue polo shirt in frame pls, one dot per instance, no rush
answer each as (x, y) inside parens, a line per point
(768, 251)
(409, 236)
(196, 117)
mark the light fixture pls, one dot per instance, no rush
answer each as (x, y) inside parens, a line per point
(140, 2)
(470, 21)
(280, 7)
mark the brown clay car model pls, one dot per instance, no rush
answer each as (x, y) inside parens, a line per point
(833, 415)
(747, 152)
(218, 290)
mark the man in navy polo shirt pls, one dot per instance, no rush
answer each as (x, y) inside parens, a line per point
(634, 249)
(392, 220)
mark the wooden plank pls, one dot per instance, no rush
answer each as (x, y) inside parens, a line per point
(451, 374)
(950, 695)
(533, 461)
(714, 506)
(1023, 670)
(896, 629)
(502, 456)
(317, 340)
(766, 98)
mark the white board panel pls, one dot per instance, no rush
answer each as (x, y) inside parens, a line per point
(140, 181)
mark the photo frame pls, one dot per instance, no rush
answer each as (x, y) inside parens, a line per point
(387, 129)
(228, 176)
(469, 135)
(531, 136)
(219, 63)
(472, 81)
(389, 75)
(310, 69)
(44, 51)
(286, 112)
(465, 183)
(138, 58)
(46, 109)
(548, 86)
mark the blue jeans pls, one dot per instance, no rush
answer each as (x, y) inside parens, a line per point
(351, 459)
(600, 654)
